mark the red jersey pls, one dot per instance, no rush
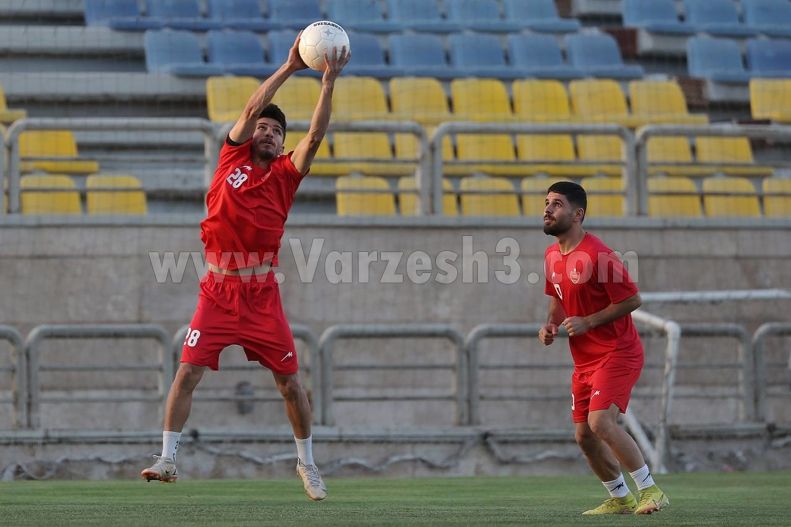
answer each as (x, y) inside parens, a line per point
(587, 280)
(247, 208)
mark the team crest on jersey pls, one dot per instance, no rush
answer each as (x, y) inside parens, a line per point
(574, 275)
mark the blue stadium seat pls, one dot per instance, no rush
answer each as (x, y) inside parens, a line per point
(770, 17)
(421, 55)
(362, 15)
(598, 55)
(238, 52)
(539, 15)
(657, 16)
(480, 55)
(181, 14)
(539, 56)
(369, 59)
(480, 15)
(280, 43)
(118, 14)
(176, 52)
(295, 14)
(718, 17)
(238, 14)
(716, 59)
(769, 58)
(420, 15)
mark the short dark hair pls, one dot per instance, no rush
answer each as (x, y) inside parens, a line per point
(273, 111)
(573, 192)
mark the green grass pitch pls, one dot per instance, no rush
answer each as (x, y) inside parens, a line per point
(732, 499)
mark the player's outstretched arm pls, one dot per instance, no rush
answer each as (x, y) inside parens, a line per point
(306, 149)
(245, 125)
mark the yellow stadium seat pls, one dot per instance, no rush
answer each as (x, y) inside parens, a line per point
(374, 148)
(409, 198)
(656, 102)
(49, 144)
(672, 196)
(542, 101)
(351, 203)
(8, 115)
(771, 99)
(49, 202)
(600, 101)
(541, 150)
(480, 100)
(534, 194)
(485, 196)
(605, 197)
(322, 164)
(298, 97)
(359, 99)
(741, 199)
(419, 99)
(602, 148)
(731, 155)
(676, 150)
(227, 96)
(777, 197)
(114, 202)
(485, 147)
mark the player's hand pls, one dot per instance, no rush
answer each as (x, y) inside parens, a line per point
(547, 334)
(335, 63)
(294, 61)
(576, 326)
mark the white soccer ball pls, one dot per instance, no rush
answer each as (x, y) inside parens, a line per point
(319, 38)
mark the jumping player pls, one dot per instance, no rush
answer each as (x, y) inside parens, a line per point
(592, 296)
(239, 300)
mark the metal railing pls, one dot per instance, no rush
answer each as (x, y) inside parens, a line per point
(18, 369)
(770, 329)
(379, 331)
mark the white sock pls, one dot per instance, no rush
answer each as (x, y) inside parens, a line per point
(642, 477)
(170, 444)
(617, 487)
(305, 449)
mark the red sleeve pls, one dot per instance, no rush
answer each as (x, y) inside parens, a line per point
(231, 154)
(549, 287)
(293, 175)
(615, 279)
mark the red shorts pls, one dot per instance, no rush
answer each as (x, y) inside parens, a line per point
(611, 383)
(243, 310)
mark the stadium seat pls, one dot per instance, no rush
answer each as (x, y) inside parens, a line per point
(362, 15)
(359, 98)
(238, 15)
(421, 55)
(534, 194)
(769, 58)
(370, 153)
(227, 96)
(675, 150)
(603, 151)
(539, 15)
(118, 14)
(485, 147)
(771, 99)
(541, 101)
(731, 155)
(58, 147)
(101, 200)
(238, 52)
(770, 17)
(369, 58)
(598, 55)
(672, 197)
(716, 17)
(542, 150)
(366, 203)
(294, 14)
(656, 16)
(177, 53)
(656, 102)
(181, 14)
(420, 15)
(601, 101)
(539, 56)
(420, 99)
(479, 55)
(480, 100)
(480, 15)
(409, 198)
(777, 197)
(8, 115)
(730, 196)
(605, 197)
(298, 98)
(42, 201)
(487, 196)
(716, 59)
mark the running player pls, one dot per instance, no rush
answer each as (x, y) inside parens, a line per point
(592, 296)
(239, 300)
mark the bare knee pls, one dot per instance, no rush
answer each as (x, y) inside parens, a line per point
(289, 387)
(585, 438)
(602, 426)
(188, 376)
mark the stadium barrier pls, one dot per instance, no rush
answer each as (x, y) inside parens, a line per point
(765, 331)
(18, 370)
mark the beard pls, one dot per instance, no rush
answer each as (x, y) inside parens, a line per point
(265, 151)
(557, 228)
